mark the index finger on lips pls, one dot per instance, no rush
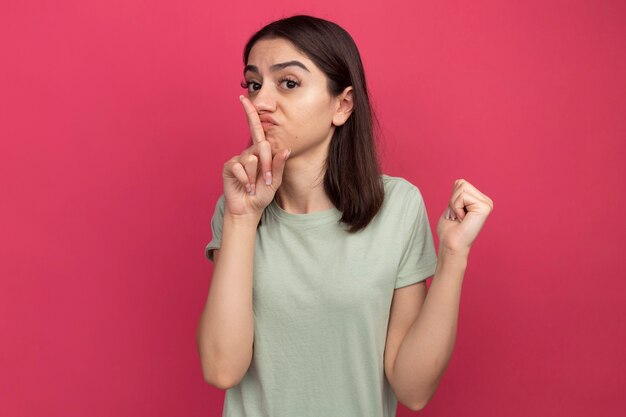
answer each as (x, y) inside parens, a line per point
(256, 129)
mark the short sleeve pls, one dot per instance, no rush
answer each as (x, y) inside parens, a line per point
(419, 259)
(216, 229)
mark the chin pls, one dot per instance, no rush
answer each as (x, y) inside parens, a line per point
(276, 143)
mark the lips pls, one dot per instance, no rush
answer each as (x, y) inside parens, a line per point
(267, 121)
(265, 118)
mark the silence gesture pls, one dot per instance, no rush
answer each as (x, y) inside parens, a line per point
(252, 177)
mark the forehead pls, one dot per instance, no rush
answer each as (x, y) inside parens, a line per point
(266, 52)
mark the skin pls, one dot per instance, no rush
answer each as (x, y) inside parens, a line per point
(422, 325)
(306, 116)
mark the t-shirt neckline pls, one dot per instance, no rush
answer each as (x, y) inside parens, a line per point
(316, 217)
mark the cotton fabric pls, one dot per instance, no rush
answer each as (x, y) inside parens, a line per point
(321, 303)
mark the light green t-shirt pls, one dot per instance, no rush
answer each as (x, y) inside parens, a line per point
(321, 301)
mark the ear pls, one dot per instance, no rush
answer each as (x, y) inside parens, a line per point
(345, 105)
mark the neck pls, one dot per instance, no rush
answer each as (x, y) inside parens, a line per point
(302, 188)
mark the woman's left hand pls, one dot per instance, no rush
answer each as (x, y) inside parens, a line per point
(465, 215)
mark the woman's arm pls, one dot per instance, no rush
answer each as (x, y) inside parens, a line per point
(226, 327)
(425, 351)
(225, 334)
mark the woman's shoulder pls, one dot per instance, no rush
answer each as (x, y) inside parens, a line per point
(401, 197)
(396, 187)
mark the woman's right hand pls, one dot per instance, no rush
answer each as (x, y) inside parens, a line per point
(245, 189)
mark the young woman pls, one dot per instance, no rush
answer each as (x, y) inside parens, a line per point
(318, 303)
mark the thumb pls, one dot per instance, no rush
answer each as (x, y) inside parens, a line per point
(278, 166)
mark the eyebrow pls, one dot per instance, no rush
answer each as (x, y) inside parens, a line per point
(276, 67)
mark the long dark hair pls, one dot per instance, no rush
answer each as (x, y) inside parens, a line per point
(353, 177)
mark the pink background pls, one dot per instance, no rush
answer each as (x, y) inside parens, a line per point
(117, 116)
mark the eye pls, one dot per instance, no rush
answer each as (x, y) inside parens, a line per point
(246, 84)
(291, 83)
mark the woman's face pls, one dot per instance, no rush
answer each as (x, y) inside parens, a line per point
(288, 88)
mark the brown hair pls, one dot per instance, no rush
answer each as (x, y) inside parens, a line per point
(353, 177)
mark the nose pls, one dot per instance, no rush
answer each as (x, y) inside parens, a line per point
(264, 99)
